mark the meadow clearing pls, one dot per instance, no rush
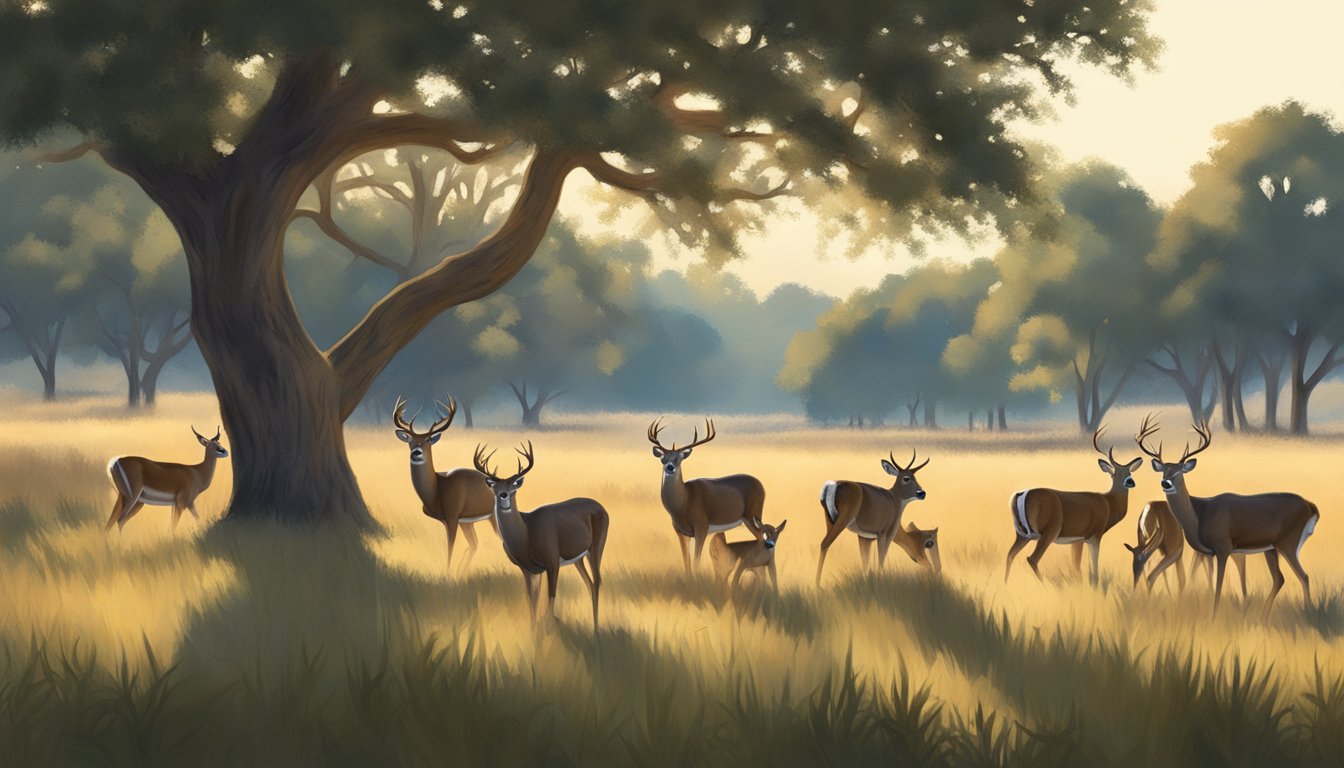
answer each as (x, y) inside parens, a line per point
(286, 646)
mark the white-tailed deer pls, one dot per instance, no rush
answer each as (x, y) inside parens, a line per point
(872, 512)
(1160, 531)
(705, 505)
(540, 541)
(140, 481)
(459, 499)
(921, 546)
(1277, 524)
(1048, 516)
(741, 556)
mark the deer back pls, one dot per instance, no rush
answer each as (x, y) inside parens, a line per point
(725, 500)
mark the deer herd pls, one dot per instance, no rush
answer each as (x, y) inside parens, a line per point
(574, 532)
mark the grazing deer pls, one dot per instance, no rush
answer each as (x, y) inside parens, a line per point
(1277, 524)
(1160, 531)
(921, 546)
(459, 499)
(741, 556)
(140, 481)
(705, 505)
(540, 541)
(872, 512)
(1050, 517)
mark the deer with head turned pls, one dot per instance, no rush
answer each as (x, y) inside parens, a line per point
(459, 498)
(1277, 524)
(140, 481)
(564, 533)
(921, 546)
(1160, 531)
(705, 505)
(1048, 516)
(738, 557)
(872, 512)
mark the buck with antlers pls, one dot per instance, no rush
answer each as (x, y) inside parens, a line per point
(1277, 524)
(1160, 531)
(872, 512)
(1048, 516)
(540, 541)
(140, 481)
(705, 505)
(459, 499)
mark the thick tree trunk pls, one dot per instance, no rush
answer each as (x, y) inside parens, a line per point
(931, 413)
(465, 408)
(48, 382)
(970, 421)
(1003, 419)
(149, 382)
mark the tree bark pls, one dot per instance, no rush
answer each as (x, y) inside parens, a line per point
(1302, 384)
(1003, 419)
(532, 410)
(1271, 368)
(970, 421)
(930, 413)
(1230, 378)
(912, 406)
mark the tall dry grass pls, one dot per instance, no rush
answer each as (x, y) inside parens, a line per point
(277, 645)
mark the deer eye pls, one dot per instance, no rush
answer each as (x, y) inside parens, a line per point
(928, 545)
(905, 479)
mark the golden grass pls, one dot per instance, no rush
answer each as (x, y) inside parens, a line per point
(231, 603)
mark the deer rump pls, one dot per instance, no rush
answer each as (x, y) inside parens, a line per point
(872, 507)
(1257, 531)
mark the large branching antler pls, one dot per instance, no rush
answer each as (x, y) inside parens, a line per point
(1205, 440)
(911, 468)
(654, 428)
(439, 425)
(1147, 430)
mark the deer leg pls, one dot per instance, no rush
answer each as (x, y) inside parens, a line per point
(1180, 572)
(1161, 568)
(1276, 574)
(884, 544)
(832, 533)
(469, 533)
(1240, 560)
(1048, 537)
(135, 508)
(865, 552)
(1078, 558)
(737, 577)
(1018, 544)
(774, 577)
(592, 588)
(191, 507)
(1296, 565)
(451, 530)
(699, 546)
(1220, 565)
(552, 577)
(685, 552)
(177, 515)
(531, 596)
(1094, 545)
(118, 509)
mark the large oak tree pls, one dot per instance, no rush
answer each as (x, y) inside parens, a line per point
(226, 112)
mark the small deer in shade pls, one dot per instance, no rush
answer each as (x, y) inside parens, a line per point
(751, 555)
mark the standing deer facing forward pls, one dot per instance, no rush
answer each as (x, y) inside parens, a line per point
(741, 556)
(140, 481)
(540, 541)
(459, 499)
(872, 512)
(1277, 524)
(705, 505)
(1071, 517)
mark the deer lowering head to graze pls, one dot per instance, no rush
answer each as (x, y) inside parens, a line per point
(921, 546)
(1048, 516)
(705, 505)
(540, 541)
(738, 557)
(460, 498)
(1277, 524)
(872, 512)
(140, 481)
(1160, 531)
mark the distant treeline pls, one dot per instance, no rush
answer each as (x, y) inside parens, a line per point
(1095, 292)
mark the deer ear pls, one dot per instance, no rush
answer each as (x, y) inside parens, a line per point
(890, 468)
(686, 454)
(657, 452)
(910, 528)
(434, 439)
(1157, 465)
(518, 483)
(1106, 466)
(780, 528)
(490, 482)
(1188, 466)
(1130, 547)
(403, 436)
(1134, 465)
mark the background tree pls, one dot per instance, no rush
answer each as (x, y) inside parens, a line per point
(1266, 199)
(225, 114)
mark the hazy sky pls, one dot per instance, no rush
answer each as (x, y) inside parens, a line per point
(1223, 60)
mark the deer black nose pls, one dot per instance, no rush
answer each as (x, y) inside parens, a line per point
(670, 468)
(503, 495)
(920, 494)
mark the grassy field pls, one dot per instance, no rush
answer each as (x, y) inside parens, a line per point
(278, 646)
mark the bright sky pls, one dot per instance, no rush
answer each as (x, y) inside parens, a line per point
(1223, 60)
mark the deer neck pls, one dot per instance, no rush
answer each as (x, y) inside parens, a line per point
(513, 532)
(1118, 500)
(674, 493)
(206, 469)
(1184, 511)
(424, 479)
(908, 542)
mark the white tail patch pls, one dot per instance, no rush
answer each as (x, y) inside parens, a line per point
(1020, 516)
(125, 481)
(828, 500)
(1143, 517)
(1307, 530)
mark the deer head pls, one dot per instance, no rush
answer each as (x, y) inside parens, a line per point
(906, 487)
(1143, 551)
(671, 458)
(1173, 473)
(768, 534)
(212, 445)
(925, 548)
(420, 442)
(503, 487)
(1121, 474)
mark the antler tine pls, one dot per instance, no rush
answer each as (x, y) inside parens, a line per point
(912, 467)
(1096, 440)
(398, 414)
(194, 432)
(449, 410)
(219, 430)
(710, 434)
(525, 454)
(481, 460)
(654, 429)
(1146, 431)
(1205, 440)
